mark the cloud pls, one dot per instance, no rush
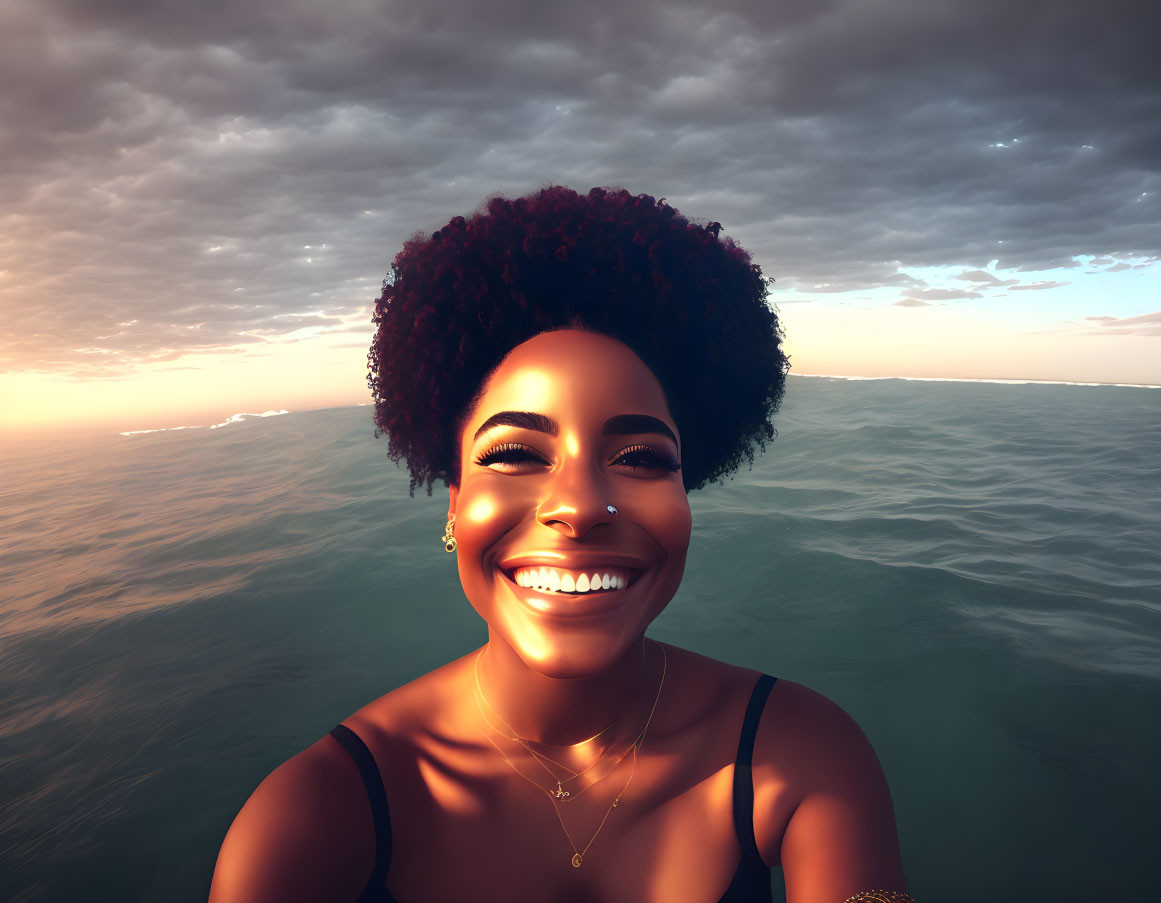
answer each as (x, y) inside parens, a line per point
(941, 294)
(1031, 286)
(1118, 267)
(911, 302)
(1145, 325)
(984, 277)
(167, 163)
(1055, 264)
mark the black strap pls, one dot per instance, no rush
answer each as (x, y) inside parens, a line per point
(377, 796)
(743, 771)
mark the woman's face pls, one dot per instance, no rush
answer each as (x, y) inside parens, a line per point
(594, 431)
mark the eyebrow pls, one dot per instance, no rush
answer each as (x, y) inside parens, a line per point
(620, 425)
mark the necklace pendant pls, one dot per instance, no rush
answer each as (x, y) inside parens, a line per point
(560, 793)
(576, 861)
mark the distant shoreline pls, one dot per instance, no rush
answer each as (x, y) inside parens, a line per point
(956, 379)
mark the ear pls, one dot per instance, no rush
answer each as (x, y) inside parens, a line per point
(453, 496)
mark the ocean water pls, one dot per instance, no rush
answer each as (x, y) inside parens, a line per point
(971, 570)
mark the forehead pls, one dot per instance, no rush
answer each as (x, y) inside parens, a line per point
(572, 374)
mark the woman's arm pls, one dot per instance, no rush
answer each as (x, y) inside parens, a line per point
(841, 838)
(305, 834)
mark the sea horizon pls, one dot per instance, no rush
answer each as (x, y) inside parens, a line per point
(32, 435)
(241, 416)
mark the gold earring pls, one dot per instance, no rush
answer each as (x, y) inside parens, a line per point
(449, 541)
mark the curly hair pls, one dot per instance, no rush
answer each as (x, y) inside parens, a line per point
(691, 305)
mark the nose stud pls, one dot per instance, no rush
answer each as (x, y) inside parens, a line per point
(611, 510)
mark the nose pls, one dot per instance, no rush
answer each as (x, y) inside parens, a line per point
(577, 502)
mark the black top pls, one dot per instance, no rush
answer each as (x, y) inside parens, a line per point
(751, 882)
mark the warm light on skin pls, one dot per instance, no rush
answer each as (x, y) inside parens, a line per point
(562, 675)
(536, 648)
(534, 387)
(481, 510)
(448, 792)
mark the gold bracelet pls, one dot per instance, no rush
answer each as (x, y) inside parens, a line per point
(880, 896)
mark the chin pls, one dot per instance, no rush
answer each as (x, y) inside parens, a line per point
(572, 664)
(564, 645)
(570, 654)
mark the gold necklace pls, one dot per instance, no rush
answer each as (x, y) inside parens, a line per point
(520, 739)
(578, 856)
(561, 793)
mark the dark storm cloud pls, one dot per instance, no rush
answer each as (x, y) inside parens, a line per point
(167, 164)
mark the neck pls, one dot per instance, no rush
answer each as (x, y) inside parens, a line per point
(568, 713)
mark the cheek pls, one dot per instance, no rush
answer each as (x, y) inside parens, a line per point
(483, 515)
(671, 523)
(480, 522)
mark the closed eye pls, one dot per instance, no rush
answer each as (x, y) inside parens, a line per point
(642, 457)
(637, 458)
(509, 452)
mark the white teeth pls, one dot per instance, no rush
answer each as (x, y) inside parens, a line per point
(550, 580)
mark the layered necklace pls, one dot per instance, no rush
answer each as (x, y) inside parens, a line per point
(560, 795)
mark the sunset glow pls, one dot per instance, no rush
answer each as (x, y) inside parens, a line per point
(197, 218)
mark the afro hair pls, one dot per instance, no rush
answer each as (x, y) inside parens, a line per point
(691, 305)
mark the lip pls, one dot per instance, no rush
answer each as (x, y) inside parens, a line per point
(574, 560)
(572, 605)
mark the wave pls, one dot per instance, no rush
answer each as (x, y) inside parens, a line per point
(233, 418)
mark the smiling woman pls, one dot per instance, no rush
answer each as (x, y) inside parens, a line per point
(572, 367)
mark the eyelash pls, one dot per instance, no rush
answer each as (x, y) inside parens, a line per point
(512, 452)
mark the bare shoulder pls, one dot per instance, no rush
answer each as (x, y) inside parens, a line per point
(799, 718)
(305, 834)
(839, 835)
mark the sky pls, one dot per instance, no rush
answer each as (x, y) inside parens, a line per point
(199, 201)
